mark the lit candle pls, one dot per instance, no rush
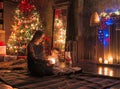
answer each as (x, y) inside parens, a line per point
(106, 61)
(100, 60)
(52, 60)
(110, 59)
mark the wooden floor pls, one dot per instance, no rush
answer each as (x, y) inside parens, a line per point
(21, 80)
(5, 86)
(13, 77)
(100, 69)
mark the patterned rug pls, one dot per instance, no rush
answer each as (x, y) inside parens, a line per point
(22, 80)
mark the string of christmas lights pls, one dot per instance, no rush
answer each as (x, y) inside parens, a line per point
(23, 28)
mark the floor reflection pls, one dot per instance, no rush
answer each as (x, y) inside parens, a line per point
(99, 69)
(105, 71)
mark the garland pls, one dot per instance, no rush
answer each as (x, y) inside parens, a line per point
(109, 18)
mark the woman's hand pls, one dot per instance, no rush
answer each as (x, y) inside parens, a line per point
(50, 65)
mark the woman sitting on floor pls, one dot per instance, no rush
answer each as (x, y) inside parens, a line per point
(36, 64)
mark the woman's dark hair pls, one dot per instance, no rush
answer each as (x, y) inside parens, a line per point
(37, 35)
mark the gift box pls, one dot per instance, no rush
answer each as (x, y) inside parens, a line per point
(2, 50)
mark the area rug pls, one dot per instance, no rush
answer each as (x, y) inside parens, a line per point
(21, 80)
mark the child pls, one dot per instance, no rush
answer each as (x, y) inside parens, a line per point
(54, 60)
(57, 69)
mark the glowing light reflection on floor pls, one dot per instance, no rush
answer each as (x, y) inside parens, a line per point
(105, 71)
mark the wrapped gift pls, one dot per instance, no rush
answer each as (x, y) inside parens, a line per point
(3, 50)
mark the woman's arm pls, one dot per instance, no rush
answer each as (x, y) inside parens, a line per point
(31, 53)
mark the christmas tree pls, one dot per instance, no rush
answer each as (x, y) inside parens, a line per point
(26, 22)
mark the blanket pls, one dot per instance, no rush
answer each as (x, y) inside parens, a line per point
(22, 80)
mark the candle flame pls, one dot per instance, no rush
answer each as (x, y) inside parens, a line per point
(53, 60)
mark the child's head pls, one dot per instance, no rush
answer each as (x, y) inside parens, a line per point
(55, 52)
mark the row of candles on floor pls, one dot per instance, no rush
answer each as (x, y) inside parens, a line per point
(106, 61)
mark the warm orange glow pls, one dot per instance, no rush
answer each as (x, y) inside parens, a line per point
(100, 60)
(106, 61)
(105, 71)
(100, 70)
(3, 50)
(94, 20)
(62, 65)
(11, 47)
(110, 59)
(108, 71)
(52, 60)
(111, 73)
